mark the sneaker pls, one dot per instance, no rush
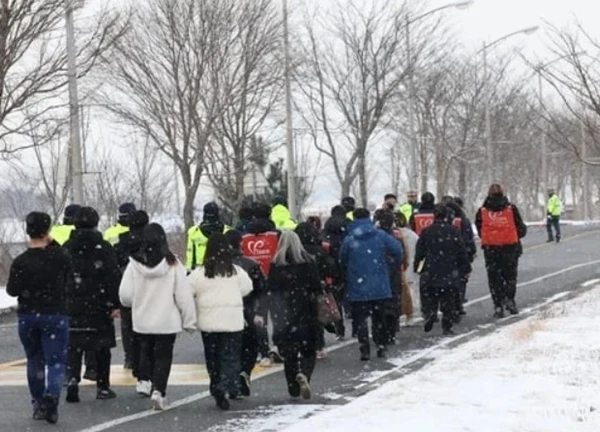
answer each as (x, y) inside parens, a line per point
(430, 322)
(73, 391)
(511, 307)
(158, 401)
(90, 375)
(558, 239)
(275, 357)
(265, 362)
(245, 384)
(51, 408)
(144, 388)
(499, 312)
(321, 355)
(105, 394)
(365, 357)
(410, 322)
(550, 240)
(305, 390)
(39, 412)
(381, 352)
(222, 401)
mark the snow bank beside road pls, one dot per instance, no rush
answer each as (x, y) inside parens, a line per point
(539, 375)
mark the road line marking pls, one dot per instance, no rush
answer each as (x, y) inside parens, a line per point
(590, 283)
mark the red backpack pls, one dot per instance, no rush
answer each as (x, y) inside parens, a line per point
(261, 248)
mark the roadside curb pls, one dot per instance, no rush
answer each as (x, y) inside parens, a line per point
(4, 311)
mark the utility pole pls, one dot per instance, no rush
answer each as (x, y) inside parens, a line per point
(291, 167)
(584, 173)
(489, 150)
(544, 145)
(74, 130)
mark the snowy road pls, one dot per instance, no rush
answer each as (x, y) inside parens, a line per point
(546, 270)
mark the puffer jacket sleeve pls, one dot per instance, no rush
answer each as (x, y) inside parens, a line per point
(184, 299)
(245, 283)
(126, 288)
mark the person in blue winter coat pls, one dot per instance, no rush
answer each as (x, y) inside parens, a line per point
(364, 259)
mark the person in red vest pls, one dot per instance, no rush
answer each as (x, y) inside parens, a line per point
(423, 218)
(501, 229)
(260, 244)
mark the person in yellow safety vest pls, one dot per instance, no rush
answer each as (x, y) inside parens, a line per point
(280, 215)
(411, 206)
(554, 210)
(349, 205)
(62, 233)
(113, 234)
(197, 236)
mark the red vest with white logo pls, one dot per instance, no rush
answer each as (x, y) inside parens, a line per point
(261, 248)
(422, 221)
(498, 228)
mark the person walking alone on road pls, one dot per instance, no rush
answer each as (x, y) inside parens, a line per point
(367, 254)
(554, 210)
(500, 228)
(292, 287)
(154, 286)
(443, 257)
(38, 278)
(93, 303)
(220, 287)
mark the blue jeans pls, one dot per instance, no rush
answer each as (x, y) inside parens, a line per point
(45, 339)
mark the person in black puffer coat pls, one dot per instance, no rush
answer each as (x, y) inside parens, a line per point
(93, 302)
(129, 244)
(334, 233)
(328, 269)
(446, 263)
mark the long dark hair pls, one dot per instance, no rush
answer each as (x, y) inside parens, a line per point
(218, 260)
(154, 247)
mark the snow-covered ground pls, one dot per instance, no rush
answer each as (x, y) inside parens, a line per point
(6, 302)
(539, 375)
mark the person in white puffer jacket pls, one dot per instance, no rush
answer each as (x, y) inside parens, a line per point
(220, 287)
(154, 285)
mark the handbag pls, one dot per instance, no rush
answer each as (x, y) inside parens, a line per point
(327, 309)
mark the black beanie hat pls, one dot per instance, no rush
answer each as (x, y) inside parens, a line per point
(38, 224)
(279, 200)
(349, 203)
(428, 198)
(127, 209)
(86, 218)
(211, 211)
(70, 212)
(261, 211)
(139, 219)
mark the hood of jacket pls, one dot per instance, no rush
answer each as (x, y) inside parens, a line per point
(363, 228)
(496, 203)
(156, 272)
(84, 239)
(336, 225)
(281, 214)
(308, 234)
(260, 226)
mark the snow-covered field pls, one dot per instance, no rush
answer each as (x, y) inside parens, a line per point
(539, 375)
(6, 301)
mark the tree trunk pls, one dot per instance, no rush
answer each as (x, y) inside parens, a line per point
(440, 180)
(362, 181)
(462, 179)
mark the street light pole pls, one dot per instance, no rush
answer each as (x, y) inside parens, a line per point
(291, 168)
(584, 171)
(543, 142)
(74, 130)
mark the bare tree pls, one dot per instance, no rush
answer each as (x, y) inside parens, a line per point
(252, 73)
(33, 65)
(353, 69)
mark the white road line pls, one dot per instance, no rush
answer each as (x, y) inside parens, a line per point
(590, 283)
(203, 395)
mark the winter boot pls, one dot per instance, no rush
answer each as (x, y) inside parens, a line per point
(245, 384)
(221, 401)
(51, 408)
(448, 332)
(365, 353)
(305, 390)
(558, 237)
(499, 312)
(39, 412)
(73, 391)
(430, 322)
(381, 351)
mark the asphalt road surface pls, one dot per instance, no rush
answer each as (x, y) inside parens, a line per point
(547, 271)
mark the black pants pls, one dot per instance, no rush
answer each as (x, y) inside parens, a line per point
(249, 348)
(223, 354)
(90, 361)
(263, 338)
(340, 328)
(295, 362)
(553, 222)
(502, 269)
(156, 359)
(127, 335)
(443, 299)
(102, 363)
(460, 295)
(361, 311)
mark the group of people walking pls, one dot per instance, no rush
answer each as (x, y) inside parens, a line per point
(298, 280)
